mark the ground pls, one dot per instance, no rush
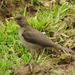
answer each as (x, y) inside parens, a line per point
(64, 66)
(60, 27)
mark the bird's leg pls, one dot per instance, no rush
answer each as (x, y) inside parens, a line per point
(39, 54)
(35, 54)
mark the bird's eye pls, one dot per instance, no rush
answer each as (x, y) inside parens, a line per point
(19, 18)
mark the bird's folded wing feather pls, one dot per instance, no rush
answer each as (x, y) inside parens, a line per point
(37, 38)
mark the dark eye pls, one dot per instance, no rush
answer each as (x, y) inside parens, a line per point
(19, 18)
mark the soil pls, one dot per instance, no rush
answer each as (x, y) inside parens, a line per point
(64, 66)
(7, 7)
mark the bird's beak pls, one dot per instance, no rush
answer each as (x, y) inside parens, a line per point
(12, 18)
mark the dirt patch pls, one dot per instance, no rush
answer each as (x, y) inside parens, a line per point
(7, 7)
(32, 69)
(54, 66)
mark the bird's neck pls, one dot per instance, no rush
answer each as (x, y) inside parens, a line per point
(25, 24)
(25, 27)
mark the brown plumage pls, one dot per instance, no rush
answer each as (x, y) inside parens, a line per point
(33, 38)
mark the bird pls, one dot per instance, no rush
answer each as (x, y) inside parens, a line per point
(33, 39)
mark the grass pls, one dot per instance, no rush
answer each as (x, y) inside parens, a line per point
(12, 52)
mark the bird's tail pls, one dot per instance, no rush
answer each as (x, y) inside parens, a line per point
(63, 48)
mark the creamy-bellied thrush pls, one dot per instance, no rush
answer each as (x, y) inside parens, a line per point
(34, 39)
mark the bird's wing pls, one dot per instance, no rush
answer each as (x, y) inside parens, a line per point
(37, 37)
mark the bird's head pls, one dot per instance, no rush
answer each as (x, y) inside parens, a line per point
(21, 20)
